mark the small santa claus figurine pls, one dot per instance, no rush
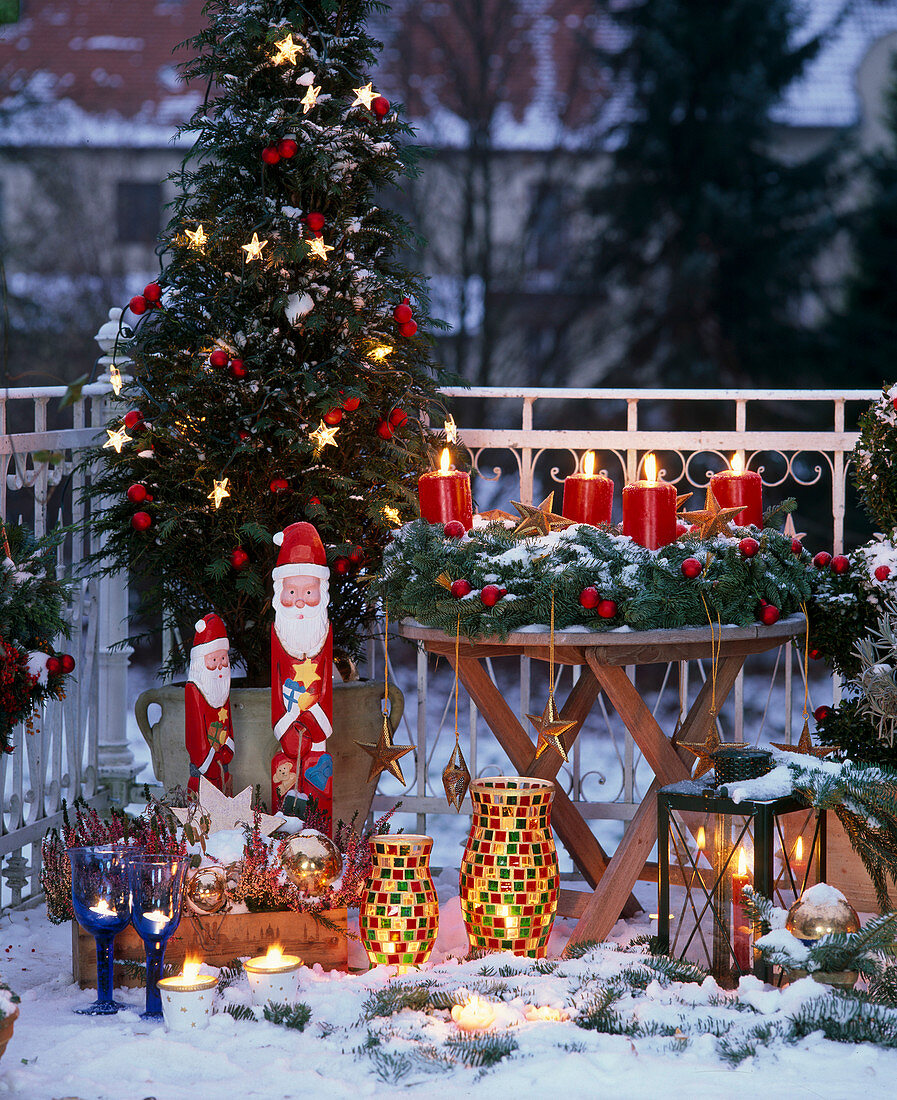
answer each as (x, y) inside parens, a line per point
(302, 674)
(209, 729)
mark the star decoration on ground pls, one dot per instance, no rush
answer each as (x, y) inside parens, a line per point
(219, 491)
(226, 813)
(456, 778)
(705, 753)
(253, 250)
(712, 520)
(310, 98)
(117, 439)
(551, 729)
(805, 746)
(197, 237)
(539, 519)
(385, 755)
(316, 247)
(323, 437)
(286, 51)
(364, 97)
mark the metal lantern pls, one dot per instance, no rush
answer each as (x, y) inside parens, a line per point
(709, 848)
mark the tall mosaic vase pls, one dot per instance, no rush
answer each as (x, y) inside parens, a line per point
(399, 916)
(509, 873)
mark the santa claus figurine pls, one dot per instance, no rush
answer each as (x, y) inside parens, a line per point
(209, 729)
(302, 674)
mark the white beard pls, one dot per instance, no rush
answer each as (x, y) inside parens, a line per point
(214, 683)
(305, 636)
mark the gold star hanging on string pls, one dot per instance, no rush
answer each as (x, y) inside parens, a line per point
(219, 491)
(705, 753)
(316, 247)
(286, 51)
(310, 98)
(712, 520)
(379, 353)
(539, 519)
(551, 729)
(117, 439)
(323, 437)
(456, 778)
(392, 515)
(197, 238)
(364, 97)
(385, 755)
(253, 250)
(805, 746)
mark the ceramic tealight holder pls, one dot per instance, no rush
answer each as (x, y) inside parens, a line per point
(187, 998)
(273, 977)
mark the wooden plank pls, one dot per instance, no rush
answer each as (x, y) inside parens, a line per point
(844, 869)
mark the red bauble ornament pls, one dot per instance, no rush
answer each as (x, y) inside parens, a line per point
(141, 520)
(454, 529)
(341, 565)
(681, 529)
(749, 547)
(68, 662)
(384, 430)
(54, 666)
(409, 328)
(356, 556)
(153, 293)
(137, 304)
(822, 712)
(821, 559)
(239, 559)
(219, 358)
(238, 368)
(769, 614)
(316, 222)
(350, 404)
(270, 154)
(691, 568)
(589, 597)
(334, 416)
(398, 418)
(279, 485)
(460, 588)
(797, 546)
(380, 106)
(840, 563)
(313, 502)
(490, 594)
(133, 418)
(607, 609)
(287, 148)
(813, 654)
(894, 402)
(882, 572)
(402, 313)
(136, 494)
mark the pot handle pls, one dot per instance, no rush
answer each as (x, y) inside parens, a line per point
(141, 708)
(396, 705)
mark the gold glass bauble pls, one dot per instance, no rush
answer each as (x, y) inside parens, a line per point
(312, 862)
(206, 889)
(819, 911)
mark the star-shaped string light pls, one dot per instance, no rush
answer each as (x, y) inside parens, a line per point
(712, 520)
(365, 96)
(117, 439)
(316, 247)
(323, 437)
(115, 379)
(253, 250)
(392, 515)
(705, 753)
(379, 353)
(805, 746)
(385, 756)
(219, 491)
(286, 51)
(551, 729)
(539, 519)
(310, 98)
(197, 238)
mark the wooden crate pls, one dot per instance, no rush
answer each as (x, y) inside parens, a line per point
(844, 869)
(218, 940)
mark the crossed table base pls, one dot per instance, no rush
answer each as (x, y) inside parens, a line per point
(603, 659)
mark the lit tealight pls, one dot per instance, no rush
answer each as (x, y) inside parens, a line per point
(535, 1013)
(158, 918)
(187, 998)
(103, 909)
(273, 976)
(476, 1015)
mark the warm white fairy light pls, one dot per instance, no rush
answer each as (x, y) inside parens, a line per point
(117, 439)
(365, 96)
(310, 98)
(324, 437)
(317, 248)
(197, 237)
(253, 250)
(380, 352)
(286, 51)
(219, 491)
(451, 430)
(392, 514)
(115, 379)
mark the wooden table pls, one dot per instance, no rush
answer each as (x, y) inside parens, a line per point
(604, 658)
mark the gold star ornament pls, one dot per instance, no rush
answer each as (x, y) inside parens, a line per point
(712, 520)
(117, 439)
(364, 97)
(286, 50)
(456, 778)
(226, 813)
(197, 238)
(219, 491)
(385, 756)
(253, 250)
(805, 746)
(551, 729)
(539, 519)
(705, 753)
(310, 98)
(323, 437)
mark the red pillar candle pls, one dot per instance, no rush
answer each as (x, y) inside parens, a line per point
(740, 486)
(649, 509)
(588, 496)
(741, 926)
(445, 495)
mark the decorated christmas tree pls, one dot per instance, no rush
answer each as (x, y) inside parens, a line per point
(279, 373)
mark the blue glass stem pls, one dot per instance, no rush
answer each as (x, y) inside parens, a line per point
(155, 958)
(104, 941)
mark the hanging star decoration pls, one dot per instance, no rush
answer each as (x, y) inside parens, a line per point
(226, 813)
(117, 439)
(456, 778)
(539, 519)
(551, 729)
(316, 247)
(364, 97)
(323, 437)
(197, 237)
(286, 51)
(712, 520)
(219, 491)
(705, 753)
(310, 98)
(385, 756)
(253, 250)
(115, 379)
(380, 352)
(805, 746)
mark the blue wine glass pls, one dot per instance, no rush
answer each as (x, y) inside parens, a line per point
(157, 890)
(100, 898)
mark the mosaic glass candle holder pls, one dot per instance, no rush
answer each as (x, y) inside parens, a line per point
(100, 898)
(399, 917)
(509, 873)
(157, 891)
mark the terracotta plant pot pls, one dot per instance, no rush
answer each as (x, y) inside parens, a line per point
(356, 717)
(6, 1026)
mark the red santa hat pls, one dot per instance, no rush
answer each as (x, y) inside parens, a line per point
(301, 552)
(211, 634)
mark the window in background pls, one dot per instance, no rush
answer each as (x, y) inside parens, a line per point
(139, 211)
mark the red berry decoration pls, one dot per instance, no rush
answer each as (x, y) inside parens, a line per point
(409, 328)
(314, 502)
(797, 547)
(460, 588)
(589, 597)
(490, 594)
(882, 572)
(238, 368)
(769, 614)
(380, 106)
(691, 568)
(239, 559)
(384, 430)
(136, 494)
(350, 404)
(840, 563)
(821, 713)
(153, 293)
(356, 556)
(454, 529)
(398, 418)
(141, 520)
(133, 418)
(279, 485)
(316, 222)
(219, 358)
(243, 435)
(607, 609)
(402, 313)
(68, 662)
(821, 559)
(54, 666)
(137, 304)
(681, 528)
(334, 416)
(749, 547)
(814, 654)
(341, 565)
(270, 154)
(287, 148)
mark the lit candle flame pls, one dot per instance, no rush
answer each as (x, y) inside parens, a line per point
(274, 956)
(799, 848)
(476, 1015)
(742, 863)
(191, 970)
(588, 464)
(444, 461)
(102, 909)
(650, 468)
(701, 838)
(737, 464)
